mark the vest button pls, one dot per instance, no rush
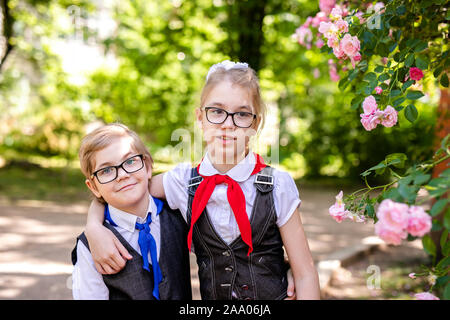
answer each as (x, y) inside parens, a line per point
(248, 298)
(229, 269)
(226, 253)
(244, 287)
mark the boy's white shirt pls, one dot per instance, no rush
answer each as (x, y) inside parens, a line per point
(286, 197)
(87, 282)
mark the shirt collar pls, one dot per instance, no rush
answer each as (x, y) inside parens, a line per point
(127, 220)
(240, 172)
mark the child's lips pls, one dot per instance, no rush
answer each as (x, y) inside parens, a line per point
(227, 139)
(126, 187)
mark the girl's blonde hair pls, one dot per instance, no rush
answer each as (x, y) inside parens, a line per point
(243, 77)
(102, 137)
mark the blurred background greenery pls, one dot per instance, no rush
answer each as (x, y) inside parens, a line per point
(67, 66)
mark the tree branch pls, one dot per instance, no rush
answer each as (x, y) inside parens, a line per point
(7, 23)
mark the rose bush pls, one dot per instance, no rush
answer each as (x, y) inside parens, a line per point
(385, 55)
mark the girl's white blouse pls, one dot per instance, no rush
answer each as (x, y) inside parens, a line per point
(286, 197)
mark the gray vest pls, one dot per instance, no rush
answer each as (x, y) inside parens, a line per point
(225, 270)
(135, 283)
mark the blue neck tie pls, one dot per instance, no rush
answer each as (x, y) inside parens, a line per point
(147, 244)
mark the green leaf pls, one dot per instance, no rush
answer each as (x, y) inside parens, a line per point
(411, 113)
(428, 245)
(437, 71)
(447, 219)
(414, 95)
(407, 84)
(398, 101)
(422, 63)
(446, 294)
(438, 207)
(396, 159)
(421, 46)
(395, 93)
(444, 80)
(421, 179)
(383, 77)
(370, 77)
(409, 60)
(444, 238)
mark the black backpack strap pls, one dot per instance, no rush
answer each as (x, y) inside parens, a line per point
(82, 238)
(264, 180)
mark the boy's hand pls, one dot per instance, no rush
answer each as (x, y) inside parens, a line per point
(109, 255)
(291, 286)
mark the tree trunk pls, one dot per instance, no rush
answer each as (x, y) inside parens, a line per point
(245, 20)
(442, 129)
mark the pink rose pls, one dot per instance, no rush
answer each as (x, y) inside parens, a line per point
(389, 117)
(328, 29)
(304, 36)
(334, 76)
(338, 52)
(326, 5)
(337, 210)
(425, 296)
(378, 90)
(393, 215)
(333, 41)
(372, 116)
(355, 58)
(369, 105)
(415, 73)
(370, 121)
(342, 25)
(419, 222)
(319, 43)
(388, 235)
(350, 45)
(412, 275)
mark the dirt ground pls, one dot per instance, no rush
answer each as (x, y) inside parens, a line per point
(382, 274)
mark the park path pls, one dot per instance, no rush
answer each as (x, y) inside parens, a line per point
(36, 239)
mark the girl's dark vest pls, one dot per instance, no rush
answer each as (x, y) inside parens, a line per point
(134, 282)
(225, 270)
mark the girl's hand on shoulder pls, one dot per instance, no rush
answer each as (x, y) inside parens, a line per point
(109, 255)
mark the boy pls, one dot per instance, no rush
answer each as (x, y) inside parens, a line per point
(118, 167)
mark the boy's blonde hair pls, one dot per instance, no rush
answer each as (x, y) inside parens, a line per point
(102, 137)
(245, 78)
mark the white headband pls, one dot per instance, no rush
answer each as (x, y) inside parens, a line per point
(227, 65)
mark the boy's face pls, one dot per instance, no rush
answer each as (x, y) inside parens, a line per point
(129, 190)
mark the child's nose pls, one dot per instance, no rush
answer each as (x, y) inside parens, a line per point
(121, 173)
(228, 123)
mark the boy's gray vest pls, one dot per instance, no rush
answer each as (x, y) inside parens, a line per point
(225, 271)
(134, 282)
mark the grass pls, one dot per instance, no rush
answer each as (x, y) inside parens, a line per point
(26, 181)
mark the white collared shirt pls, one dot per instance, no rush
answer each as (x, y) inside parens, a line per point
(286, 197)
(87, 282)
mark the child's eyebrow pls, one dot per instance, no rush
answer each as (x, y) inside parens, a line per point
(219, 104)
(107, 164)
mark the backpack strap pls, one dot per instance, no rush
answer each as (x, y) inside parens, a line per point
(264, 180)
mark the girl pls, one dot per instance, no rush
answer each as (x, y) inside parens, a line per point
(240, 212)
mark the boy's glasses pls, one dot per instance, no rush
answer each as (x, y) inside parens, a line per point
(240, 119)
(108, 174)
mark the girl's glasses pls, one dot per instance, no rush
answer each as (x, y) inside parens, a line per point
(240, 119)
(108, 174)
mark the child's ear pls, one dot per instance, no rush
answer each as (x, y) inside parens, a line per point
(90, 184)
(199, 117)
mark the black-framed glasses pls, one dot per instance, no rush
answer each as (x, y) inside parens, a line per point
(108, 174)
(241, 119)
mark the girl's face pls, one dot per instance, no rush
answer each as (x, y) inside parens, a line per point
(129, 191)
(227, 143)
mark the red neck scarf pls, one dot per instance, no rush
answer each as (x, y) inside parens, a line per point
(235, 197)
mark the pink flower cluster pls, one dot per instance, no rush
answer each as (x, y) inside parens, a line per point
(344, 45)
(338, 212)
(396, 220)
(373, 116)
(425, 296)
